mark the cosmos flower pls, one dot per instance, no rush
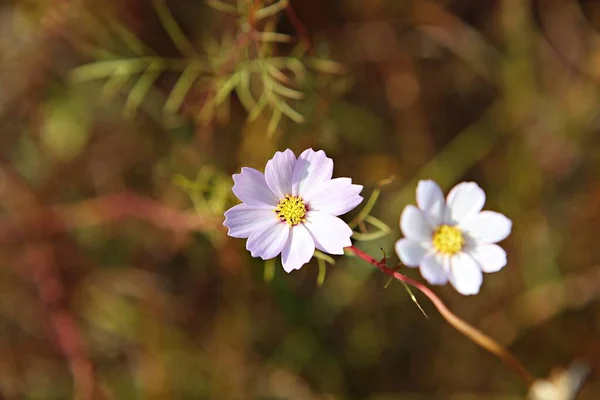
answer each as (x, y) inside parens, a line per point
(452, 239)
(292, 209)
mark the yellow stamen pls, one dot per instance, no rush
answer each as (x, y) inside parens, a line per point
(448, 239)
(291, 210)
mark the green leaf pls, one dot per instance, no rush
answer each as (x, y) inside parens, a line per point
(322, 256)
(181, 89)
(141, 89)
(258, 109)
(222, 6)
(274, 122)
(226, 89)
(271, 10)
(173, 29)
(322, 272)
(289, 111)
(244, 92)
(269, 270)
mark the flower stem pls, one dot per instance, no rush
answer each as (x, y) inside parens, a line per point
(460, 325)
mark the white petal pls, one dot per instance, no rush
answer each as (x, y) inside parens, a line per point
(243, 219)
(410, 252)
(251, 188)
(298, 250)
(465, 274)
(335, 196)
(278, 172)
(312, 168)
(491, 257)
(434, 268)
(330, 233)
(431, 201)
(488, 227)
(414, 225)
(465, 201)
(268, 241)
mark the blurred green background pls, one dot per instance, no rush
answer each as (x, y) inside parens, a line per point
(122, 122)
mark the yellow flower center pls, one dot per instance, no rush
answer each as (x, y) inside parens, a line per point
(448, 239)
(292, 210)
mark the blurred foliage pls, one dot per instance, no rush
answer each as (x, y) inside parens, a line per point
(123, 121)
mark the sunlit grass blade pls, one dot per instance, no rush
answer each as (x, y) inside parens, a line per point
(326, 66)
(181, 89)
(114, 84)
(134, 44)
(141, 89)
(285, 91)
(226, 89)
(222, 6)
(104, 69)
(277, 74)
(274, 37)
(288, 111)
(271, 10)
(244, 91)
(322, 272)
(366, 210)
(259, 108)
(269, 270)
(173, 29)
(413, 298)
(274, 122)
(322, 256)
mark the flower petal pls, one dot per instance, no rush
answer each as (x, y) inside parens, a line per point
(414, 225)
(311, 169)
(434, 268)
(465, 274)
(251, 188)
(488, 227)
(335, 196)
(410, 252)
(278, 172)
(431, 201)
(268, 241)
(465, 201)
(491, 257)
(243, 219)
(330, 233)
(298, 250)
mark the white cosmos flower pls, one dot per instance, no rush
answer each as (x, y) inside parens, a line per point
(452, 239)
(292, 209)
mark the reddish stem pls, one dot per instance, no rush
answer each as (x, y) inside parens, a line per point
(459, 324)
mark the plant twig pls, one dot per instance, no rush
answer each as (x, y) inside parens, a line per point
(459, 324)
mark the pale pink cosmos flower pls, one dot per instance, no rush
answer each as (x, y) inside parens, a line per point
(292, 209)
(452, 239)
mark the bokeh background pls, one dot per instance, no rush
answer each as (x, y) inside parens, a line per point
(122, 122)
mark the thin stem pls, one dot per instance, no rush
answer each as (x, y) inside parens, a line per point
(460, 325)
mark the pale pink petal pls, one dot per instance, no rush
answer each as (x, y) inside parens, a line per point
(465, 201)
(330, 233)
(278, 172)
(251, 188)
(243, 219)
(411, 252)
(465, 274)
(431, 201)
(488, 227)
(312, 168)
(414, 225)
(268, 241)
(298, 250)
(335, 196)
(491, 257)
(434, 268)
